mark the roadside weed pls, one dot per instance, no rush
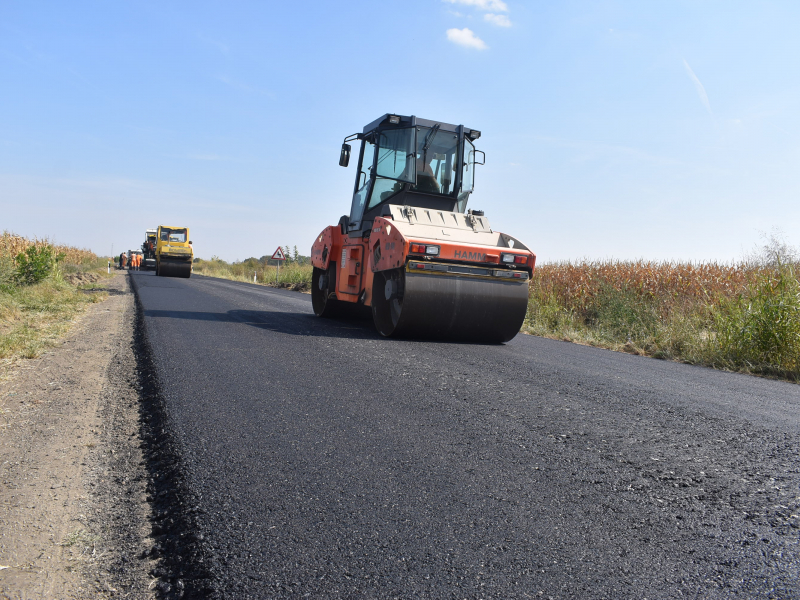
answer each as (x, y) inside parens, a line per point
(744, 316)
(37, 305)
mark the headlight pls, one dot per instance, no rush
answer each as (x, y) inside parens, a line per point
(513, 258)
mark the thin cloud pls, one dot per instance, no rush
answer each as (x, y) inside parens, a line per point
(214, 157)
(590, 151)
(493, 5)
(216, 43)
(499, 20)
(465, 37)
(243, 87)
(701, 91)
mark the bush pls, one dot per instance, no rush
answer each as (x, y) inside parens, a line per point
(761, 328)
(36, 264)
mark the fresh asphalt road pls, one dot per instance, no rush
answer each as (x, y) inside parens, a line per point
(330, 462)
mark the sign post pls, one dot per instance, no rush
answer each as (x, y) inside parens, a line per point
(279, 256)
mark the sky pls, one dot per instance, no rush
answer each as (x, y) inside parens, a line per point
(612, 129)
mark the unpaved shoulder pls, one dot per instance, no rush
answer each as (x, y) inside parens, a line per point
(74, 517)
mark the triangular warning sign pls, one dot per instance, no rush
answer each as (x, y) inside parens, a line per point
(279, 255)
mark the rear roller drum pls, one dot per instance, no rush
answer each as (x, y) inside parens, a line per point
(447, 307)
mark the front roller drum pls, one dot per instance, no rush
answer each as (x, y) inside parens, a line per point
(168, 267)
(323, 298)
(448, 307)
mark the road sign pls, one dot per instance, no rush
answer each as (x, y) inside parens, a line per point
(278, 254)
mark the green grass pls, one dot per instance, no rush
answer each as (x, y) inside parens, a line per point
(87, 265)
(35, 317)
(759, 331)
(291, 275)
(80, 539)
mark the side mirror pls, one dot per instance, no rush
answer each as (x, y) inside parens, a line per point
(344, 157)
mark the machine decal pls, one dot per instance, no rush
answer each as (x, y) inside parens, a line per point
(467, 255)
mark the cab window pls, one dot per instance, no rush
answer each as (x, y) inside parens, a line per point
(436, 161)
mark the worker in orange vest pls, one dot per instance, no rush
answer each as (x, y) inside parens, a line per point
(136, 258)
(123, 260)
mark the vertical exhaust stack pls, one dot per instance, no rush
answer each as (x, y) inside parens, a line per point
(410, 249)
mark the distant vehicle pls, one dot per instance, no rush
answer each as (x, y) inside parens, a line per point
(149, 249)
(174, 252)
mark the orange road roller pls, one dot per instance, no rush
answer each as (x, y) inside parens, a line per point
(410, 250)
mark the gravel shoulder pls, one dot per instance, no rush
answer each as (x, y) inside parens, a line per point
(74, 515)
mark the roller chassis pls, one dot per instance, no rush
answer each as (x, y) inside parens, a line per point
(463, 293)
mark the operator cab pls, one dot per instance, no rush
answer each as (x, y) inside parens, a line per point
(413, 162)
(173, 235)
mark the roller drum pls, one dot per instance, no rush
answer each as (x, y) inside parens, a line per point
(169, 267)
(448, 307)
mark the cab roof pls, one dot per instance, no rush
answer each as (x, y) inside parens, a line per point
(413, 121)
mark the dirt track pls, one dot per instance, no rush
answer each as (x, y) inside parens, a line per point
(73, 511)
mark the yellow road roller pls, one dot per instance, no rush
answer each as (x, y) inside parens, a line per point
(174, 252)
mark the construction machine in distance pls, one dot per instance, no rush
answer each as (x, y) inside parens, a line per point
(149, 249)
(174, 254)
(411, 250)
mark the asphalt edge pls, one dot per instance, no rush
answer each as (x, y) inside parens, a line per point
(184, 563)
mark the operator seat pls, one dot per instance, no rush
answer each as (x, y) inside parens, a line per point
(426, 180)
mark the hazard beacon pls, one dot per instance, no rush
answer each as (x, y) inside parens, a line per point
(411, 250)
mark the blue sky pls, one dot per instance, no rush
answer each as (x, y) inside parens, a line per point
(617, 129)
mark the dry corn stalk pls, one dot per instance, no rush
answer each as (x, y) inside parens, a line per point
(12, 244)
(667, 284)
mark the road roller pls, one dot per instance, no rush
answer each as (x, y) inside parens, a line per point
(174, 254)
(410, 251)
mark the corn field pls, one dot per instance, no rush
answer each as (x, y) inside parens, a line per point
(666, 285)
(11, 245)
(743, 316)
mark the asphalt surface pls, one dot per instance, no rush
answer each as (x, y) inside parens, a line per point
(324, 461)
